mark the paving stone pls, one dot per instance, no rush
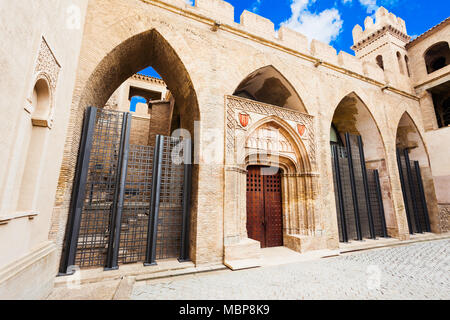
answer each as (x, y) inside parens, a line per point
(416, 271)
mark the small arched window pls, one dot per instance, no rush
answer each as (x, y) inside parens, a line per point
(437, 57)
(400, 63)
(40, 103)
(380, 62)
(135, 100)
(407, 66)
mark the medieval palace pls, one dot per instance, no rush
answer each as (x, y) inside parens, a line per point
(252, 138)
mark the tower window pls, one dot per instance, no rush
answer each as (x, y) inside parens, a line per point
(407, 66)
(380, 62)
(400, 64)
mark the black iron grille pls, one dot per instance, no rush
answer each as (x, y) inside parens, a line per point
(100, 188)
(170, 220)
(135, 214)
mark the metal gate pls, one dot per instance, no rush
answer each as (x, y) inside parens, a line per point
(358, 198)
(130, 203)
(413, 193)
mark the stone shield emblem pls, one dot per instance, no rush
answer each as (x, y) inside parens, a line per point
(301, 128)
(244, 119)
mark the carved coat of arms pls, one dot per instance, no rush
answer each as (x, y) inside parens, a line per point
(301, 128)
(244, 119)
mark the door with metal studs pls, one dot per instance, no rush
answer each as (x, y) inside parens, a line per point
(264, 208)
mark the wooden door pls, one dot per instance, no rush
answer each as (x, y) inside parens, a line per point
(264, 210)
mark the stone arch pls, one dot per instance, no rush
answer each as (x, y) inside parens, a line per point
(113, 66)
(408, 137)
(352, 115)
(298, 181)
(268, 85)
(148, 48)
(301, 161)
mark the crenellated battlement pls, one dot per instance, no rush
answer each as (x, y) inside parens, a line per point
(219, 10)
(384, 20)
(222, 13)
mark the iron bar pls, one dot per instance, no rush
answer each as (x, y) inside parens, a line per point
(340, 195)
(184, 254)
(366, 187)
(78, 192)
(422, 195)
(380, 201)
(405, 196)
(353, 186)
(411, 187)
(150, 259)
(117, 207)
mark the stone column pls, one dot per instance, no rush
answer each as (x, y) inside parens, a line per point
(428, 112)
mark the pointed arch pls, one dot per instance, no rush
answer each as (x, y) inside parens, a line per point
(268, 85)
(110, 67)
(412, 147)
(409, 137)
(352, 115)
(301, 160)
(148, 48)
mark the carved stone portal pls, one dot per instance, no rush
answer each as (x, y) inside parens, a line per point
(270, 138)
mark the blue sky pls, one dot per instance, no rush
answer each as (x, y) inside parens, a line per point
(332, 21)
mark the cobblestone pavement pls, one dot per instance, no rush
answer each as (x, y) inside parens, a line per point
(416, 271)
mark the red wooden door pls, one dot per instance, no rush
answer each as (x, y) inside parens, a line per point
(264, 211)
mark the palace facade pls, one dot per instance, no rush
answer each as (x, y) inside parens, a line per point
(253, 138)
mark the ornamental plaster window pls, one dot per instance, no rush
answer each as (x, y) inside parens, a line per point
(40, 109)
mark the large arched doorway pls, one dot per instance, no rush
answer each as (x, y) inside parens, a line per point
(361, 182)
(131, 202)
(416, 178)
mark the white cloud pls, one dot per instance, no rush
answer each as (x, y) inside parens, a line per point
(255, 6)
(371, 5)
(190, 2)
(324, 26)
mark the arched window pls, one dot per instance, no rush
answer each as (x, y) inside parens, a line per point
(135, 100)
(380, 62)
(40, 103)
(437, 56)
(407, 66)
(400, 64)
